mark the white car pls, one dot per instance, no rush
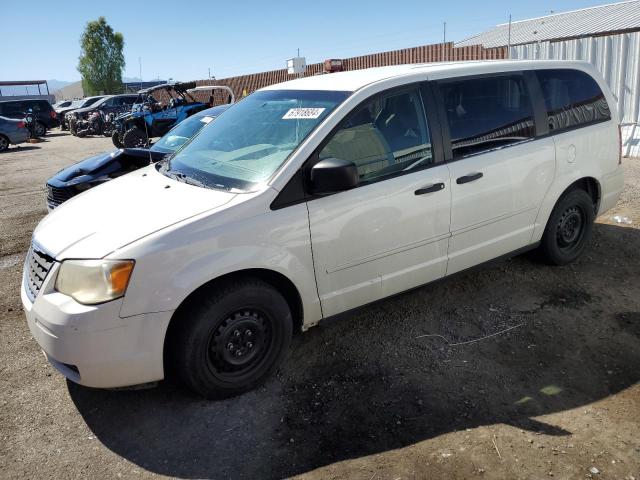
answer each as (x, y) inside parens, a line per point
(311, 198)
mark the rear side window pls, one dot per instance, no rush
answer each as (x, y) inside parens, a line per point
(572, 98)
(487, 113)
(384, 137)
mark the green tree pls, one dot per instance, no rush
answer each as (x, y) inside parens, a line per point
(101, 60)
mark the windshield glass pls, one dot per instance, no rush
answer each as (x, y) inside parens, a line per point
(247, 144)
(178, 135)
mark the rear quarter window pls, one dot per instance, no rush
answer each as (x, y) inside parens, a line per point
(572, 99)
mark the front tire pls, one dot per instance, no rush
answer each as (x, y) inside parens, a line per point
(569, 228)
(229, 339)
(115, 138)
(135, 137)
(4, 143)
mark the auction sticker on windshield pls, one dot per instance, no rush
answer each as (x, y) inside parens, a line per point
(303, 113)
(206, 119)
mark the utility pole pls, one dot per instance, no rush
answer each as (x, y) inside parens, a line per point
(140, 71)
(444, 32)
(509, 39)
(209, 73)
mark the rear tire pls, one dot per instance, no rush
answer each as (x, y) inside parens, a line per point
(229, 339)
(135, 137)
(115, 138)
(569, 228)
(4, 143)
(39, 129)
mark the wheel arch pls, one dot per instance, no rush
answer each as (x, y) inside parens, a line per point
(276, 279)
(590, 185)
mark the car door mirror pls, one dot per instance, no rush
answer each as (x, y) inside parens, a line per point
(333, 175)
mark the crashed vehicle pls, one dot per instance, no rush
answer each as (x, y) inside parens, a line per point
(62, 110)
(115, 104)
(149, 119)
(103, 167)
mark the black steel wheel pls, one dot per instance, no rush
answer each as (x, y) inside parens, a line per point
(569, 228)
(228, 339)
(239, 343)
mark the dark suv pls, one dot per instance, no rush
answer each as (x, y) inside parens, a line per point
(46, 118)
(110, 104)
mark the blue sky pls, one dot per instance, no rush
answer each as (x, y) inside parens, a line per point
(182, 40)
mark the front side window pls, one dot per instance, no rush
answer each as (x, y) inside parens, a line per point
(386, 136)
(487, 113)
(253, 138)
(572, 98)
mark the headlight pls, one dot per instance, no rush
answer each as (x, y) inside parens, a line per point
(94, 281)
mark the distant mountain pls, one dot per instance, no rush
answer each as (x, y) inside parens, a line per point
(58, 84)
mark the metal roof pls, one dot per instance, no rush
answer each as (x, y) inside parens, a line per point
(614, 17)
(22, 82)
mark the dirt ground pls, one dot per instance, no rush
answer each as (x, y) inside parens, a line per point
(368, 396)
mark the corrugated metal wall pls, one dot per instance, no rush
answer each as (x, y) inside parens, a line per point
(423, 54)
(617, 57)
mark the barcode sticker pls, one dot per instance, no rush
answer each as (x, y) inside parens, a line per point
(303, 113)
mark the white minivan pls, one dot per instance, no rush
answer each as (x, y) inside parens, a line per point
(313, 197)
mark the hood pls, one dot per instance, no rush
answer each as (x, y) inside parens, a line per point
(114, 214)
(85, 167)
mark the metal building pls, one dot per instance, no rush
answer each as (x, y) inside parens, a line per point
(607, 36)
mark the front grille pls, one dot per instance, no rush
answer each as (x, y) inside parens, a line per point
(36, 268)
(56, 196)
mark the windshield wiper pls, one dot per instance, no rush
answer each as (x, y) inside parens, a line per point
(181, 177)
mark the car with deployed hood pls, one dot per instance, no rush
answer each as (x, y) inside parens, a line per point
(311, 198)
(109, 104)
(100, 168)
(63, 110)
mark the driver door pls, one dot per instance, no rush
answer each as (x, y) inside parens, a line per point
(391, 233)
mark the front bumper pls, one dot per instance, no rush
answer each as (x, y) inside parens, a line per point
(93, 345)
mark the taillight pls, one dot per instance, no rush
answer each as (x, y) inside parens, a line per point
(21, 124)
(53, 114)
(619, 144)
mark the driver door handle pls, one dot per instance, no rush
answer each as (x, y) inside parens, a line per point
(436, 187)
(468, 178)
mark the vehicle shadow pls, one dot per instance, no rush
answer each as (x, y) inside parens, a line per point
(57, 134)
(23, 148)
(374, 382)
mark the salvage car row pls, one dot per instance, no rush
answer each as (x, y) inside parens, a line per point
(131, 120)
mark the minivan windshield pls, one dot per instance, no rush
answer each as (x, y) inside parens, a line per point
(247, 144)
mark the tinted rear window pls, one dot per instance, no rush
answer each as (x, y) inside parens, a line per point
(487, 113)
(572, 98)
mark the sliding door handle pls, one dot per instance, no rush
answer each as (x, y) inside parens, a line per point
(469, 178)
(436, 187)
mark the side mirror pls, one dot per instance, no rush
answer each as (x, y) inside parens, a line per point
(333, 175)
